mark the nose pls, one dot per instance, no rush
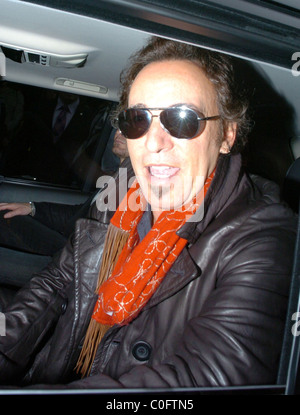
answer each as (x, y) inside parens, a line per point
(157, 139)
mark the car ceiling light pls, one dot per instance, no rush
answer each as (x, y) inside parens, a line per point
(85, 86)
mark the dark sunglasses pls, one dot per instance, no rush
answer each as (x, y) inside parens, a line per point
(179, 122)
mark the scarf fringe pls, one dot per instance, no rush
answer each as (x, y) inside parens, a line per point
(94, 335)
(114, 242)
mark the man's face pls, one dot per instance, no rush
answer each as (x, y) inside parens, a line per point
(164, 164)
(120, 146)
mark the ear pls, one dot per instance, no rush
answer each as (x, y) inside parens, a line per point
(229, 137)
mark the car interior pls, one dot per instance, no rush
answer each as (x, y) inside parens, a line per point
(51, 49)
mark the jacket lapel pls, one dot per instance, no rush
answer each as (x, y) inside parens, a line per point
(182, 272)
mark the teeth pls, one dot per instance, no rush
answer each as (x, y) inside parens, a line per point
(162, 172)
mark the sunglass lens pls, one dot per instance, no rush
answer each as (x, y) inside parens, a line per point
(134, 123)
(180, 122)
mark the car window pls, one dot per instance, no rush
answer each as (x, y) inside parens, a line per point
(54, 137)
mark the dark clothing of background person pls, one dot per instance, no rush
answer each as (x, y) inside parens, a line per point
(27, 244)
(35, 153)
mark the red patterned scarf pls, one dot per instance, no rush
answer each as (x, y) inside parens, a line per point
(131, 271)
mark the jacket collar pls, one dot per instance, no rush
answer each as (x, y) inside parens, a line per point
(228, 171)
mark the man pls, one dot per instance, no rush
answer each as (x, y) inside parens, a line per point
(156, 294)
(31, 233)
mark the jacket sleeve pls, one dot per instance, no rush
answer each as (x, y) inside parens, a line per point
(34, 311)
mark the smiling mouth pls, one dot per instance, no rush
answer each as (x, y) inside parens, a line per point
(162, 172)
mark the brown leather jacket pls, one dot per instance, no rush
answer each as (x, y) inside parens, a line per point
(217, 318)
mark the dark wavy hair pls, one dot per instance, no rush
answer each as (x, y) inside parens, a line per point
(218, 67)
